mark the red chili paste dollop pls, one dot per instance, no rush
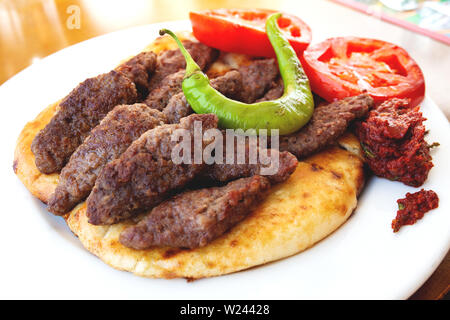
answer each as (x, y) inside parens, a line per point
(392, 138)
(413, 207)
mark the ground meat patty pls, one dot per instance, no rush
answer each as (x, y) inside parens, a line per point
(171, 61)
(257, 78)
(195, 218)
(177, 108)
(276, 91)
(227, 172)
(139, 70)
(107, 141)
(246, 84)
(145, 174)
(79, 112)
(238, 168)
(230, 85)
(169, 86)
(327, 124)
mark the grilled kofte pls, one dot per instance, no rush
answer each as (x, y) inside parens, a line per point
(221, 185)
(145, 175)
(257, 80)
(106, 142)
(89, 103)
(195, 218)
(328, 123)
(79, 112)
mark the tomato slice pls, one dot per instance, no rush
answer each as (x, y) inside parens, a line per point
(243, 30)
(346, 66)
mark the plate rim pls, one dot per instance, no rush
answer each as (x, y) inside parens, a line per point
(23, 73)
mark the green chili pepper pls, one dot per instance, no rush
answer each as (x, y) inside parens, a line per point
(288, 113)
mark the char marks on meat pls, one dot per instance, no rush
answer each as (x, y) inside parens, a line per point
(145, 174)
(139, 70)
(79, 112)
(195, 218)
(230, 85)
(171, 61)
(327, 124)
(107, 141)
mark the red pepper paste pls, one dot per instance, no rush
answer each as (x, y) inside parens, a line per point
(392, 138)
(413, 207)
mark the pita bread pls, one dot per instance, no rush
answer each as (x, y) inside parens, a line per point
(317, 199)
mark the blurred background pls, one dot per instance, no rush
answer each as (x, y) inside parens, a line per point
(33, 29)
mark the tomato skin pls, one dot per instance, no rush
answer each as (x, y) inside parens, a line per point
(225, 29)
(321, 63)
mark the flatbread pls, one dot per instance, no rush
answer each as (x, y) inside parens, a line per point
(318, 198)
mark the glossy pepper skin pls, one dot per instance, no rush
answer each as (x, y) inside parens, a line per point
(288, 113)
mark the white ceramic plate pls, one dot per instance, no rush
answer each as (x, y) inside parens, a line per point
(41, 258)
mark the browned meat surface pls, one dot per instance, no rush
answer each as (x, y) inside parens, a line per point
(327, 124)
(195, 218)
(171, 61)
(257, 78)
(177, 108)
(79, 112)
(169, 86)
(145, 174)
(107, 141)
(287, 163)
(139, 70)
(246, 84)
(230, 85)
(276, 91)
